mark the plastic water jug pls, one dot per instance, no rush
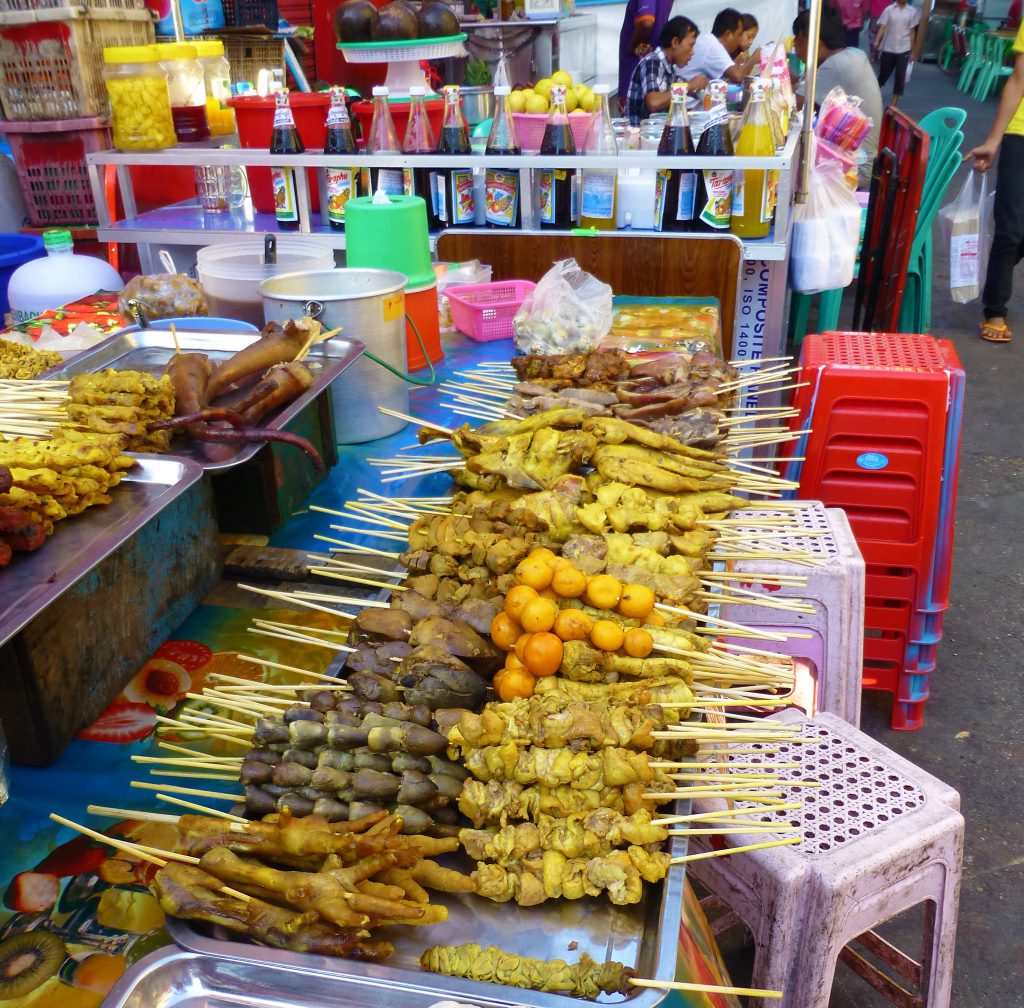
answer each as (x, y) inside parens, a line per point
(60, 278)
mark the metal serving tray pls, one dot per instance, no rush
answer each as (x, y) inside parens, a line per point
(33, 580)
(644, 937)
(151, 349)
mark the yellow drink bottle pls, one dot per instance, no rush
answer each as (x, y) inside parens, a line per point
(752, 194)
(599, 191)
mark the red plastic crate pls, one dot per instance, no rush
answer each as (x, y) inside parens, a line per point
(52, 172)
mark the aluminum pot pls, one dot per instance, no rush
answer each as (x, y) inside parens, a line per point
(368, 305)
(477, 103)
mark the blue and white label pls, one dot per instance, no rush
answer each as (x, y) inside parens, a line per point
(872, 460)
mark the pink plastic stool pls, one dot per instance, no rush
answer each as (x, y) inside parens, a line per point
(835, 586)
(880, 836)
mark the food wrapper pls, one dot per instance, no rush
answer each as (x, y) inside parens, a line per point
(569, 311)
(164, 295)
(652, 326)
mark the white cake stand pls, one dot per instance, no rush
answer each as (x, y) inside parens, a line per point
(403, 59)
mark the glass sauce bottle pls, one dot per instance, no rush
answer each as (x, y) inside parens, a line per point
(341, 182)
(599, 188)
(752, 210)
(419, 139)
(555, 203)
(285, 140)
(456, 206)
(383, 139)
(675, 188)
(713, 205)
(503, 207)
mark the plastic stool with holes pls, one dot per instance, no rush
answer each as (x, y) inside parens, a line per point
(835, 587)
(880, 837)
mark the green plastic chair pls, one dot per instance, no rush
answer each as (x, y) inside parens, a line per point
(994, 69)
(944, 158)
(975, 57)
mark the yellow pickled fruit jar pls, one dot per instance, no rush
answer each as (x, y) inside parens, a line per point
(139, 100)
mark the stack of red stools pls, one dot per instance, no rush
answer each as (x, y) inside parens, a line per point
(880, 418)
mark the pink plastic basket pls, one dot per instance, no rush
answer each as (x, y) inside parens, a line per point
(484, 312)
(530, 128)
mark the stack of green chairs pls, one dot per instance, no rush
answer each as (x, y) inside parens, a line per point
(944, 158)
(944, 145)
(975, 59)
(993, 69)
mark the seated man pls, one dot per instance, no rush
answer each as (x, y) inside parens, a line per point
(650, 85)
(846, 67)
(714, 53)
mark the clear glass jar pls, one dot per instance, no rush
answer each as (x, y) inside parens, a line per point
(140, 103)
(217, 72)
(186, 82)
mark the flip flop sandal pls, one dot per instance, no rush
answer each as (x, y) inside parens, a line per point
(994, 334)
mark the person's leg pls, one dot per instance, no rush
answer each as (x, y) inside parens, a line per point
(886, 66)
(1008, 241)
(899, 85)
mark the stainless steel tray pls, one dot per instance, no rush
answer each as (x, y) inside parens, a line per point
(33, 580)
(644, 937)
(151, 349)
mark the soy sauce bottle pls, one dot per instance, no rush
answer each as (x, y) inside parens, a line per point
(503, 206)
(713, 207)
(419, 139)
(285, 140)
(341, 182)
(456, 206)
(555, 196)
(383, 139)
(675, 188)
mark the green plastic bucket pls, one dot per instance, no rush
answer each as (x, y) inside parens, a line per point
(389, 236)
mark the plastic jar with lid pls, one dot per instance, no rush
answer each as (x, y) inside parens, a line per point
(140, 103)
(217, 72)
(187, 84)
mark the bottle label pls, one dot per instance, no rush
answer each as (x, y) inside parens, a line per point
(283, 117)
(573, 182)
(771, 196)
(718, 208)
(437, 181)
(546, 195)
(285, 204)
(501, 197)
(390, 180)
(463, 202)
(408, 189)
(737, 194)
(341, 187)
(687, 195)
(337, 116)
(660, 185)
(598, 200)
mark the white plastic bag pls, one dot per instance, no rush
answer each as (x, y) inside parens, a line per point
(965, 225)
(826, 232)
(569, 311)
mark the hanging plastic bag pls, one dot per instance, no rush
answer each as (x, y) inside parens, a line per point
(826, 232)
(965, 225)
(569, 311)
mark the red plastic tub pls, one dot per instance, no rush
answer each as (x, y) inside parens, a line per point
(400, 113)
(255, 118)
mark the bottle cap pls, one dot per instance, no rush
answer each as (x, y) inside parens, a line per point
(601, 89)
(380, 91)
(209, 47)
(131, 54)
(176, 50)
(500, 90)
(58, 240)
(415, 91)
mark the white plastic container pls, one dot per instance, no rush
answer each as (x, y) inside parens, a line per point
(58, 279)
(231, 274)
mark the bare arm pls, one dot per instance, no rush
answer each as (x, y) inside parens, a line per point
(641, 33)
(1013, 94)
(739, 70)
(657, 101)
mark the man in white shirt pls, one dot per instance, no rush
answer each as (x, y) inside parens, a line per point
(715, 51)
(847, 67)
(896, 30)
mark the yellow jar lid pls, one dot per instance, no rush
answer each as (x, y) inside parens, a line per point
(176, 50)
(209, 47)
(131, 54)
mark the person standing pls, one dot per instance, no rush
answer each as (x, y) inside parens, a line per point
(1006, 137)
(897, 28)
(641, 28)
(875, 8)
(852, 14)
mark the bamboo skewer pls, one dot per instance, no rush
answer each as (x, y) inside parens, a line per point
(300, 599)
(785, 842)
(213, 813)
(285, 668)
(131, 814)
(357, 549)
(681, 985)
(198, 793)
(726, 815)
(298, 639)
(341, 576)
